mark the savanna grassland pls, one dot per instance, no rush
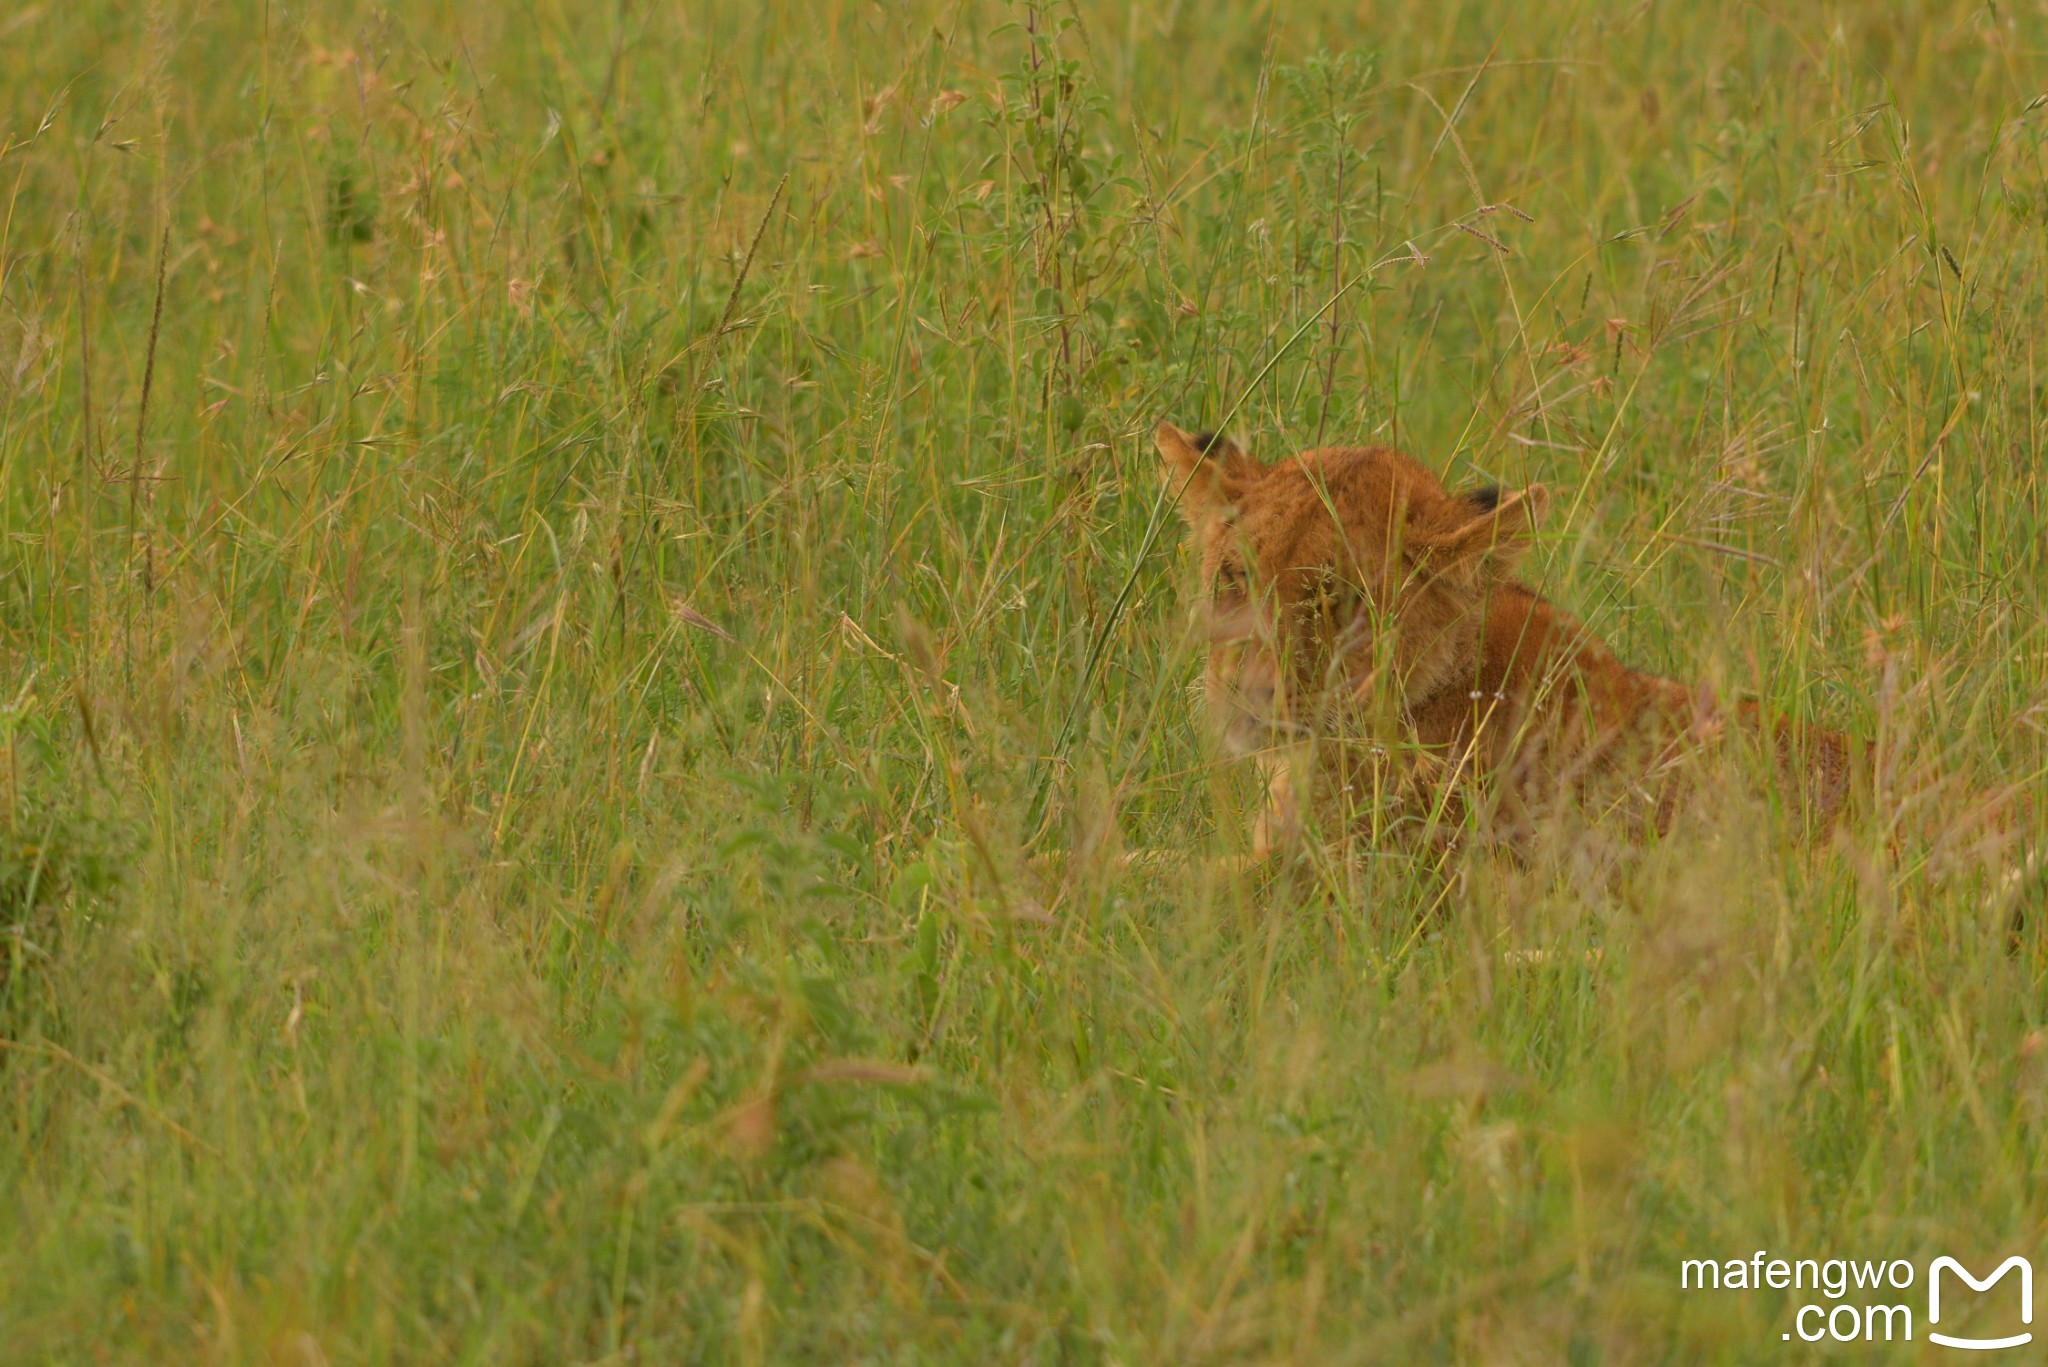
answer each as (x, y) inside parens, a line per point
(586, 612)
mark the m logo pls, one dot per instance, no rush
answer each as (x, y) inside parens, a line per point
(2026, 1300)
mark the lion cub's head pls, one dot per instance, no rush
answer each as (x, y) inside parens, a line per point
(1336, 580)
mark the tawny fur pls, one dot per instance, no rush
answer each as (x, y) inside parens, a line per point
(1357, 608)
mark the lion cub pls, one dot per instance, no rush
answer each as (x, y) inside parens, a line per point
(1369, 643)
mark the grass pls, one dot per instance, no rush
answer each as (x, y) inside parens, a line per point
(562, 564)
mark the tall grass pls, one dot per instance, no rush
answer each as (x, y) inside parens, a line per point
(570, 707)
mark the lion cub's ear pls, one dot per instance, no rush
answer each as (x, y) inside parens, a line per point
(1478, 539)
(1205, 475)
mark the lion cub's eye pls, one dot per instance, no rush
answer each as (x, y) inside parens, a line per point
(1231, 582)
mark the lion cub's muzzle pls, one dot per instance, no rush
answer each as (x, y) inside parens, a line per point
(1247, 700)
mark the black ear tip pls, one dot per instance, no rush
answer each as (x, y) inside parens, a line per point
(1204, 441)
(1486, 500)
